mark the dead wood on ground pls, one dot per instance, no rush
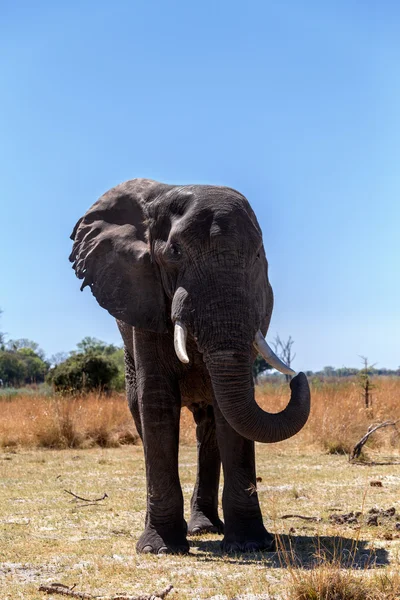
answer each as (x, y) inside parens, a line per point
(64, 590)
(314, 519)
(76, 497)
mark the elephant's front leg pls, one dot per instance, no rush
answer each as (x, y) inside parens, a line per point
(204, 504)
(159, 408)
(244, 528)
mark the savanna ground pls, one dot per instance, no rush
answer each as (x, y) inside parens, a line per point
(88, 446)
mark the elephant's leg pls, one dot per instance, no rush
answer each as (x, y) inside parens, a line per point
(204, 504)
(244, 528)
(159, 407)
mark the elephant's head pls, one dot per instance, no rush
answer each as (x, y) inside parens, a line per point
(191, 257)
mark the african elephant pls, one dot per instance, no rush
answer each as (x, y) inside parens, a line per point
(183, 271)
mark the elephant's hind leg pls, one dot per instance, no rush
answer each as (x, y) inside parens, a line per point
(204, 504)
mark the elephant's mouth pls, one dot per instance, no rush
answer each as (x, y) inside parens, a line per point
(260, 344)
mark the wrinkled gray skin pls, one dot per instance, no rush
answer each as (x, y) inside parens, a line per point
(153, 254)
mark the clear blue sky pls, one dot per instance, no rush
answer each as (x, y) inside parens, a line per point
(296, 104)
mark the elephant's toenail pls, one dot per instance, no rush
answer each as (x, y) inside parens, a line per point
(147, 549)
(234, 547)
(163, 550)
(251, 547)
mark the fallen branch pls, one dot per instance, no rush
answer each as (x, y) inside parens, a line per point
(86, 499)
(64, 590)
(358, 447)
(314, 519)
(156, 596)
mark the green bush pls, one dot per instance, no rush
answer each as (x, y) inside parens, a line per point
(83, 373)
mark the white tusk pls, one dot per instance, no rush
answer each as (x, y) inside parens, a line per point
(180, 335)
(266, 352)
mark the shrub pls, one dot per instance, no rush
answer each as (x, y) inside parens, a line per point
(332, 582)
(328, 583)
(83, 372)
(337, 446)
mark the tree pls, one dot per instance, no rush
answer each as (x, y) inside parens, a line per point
(83, 372)
(12, 369)
(58, 358)
(364, 379)
(15, 345)
(95, 365)
(36, 367)
(23, 366)
(95, 346)
(2, 335)
(329, 371)
(284, 351)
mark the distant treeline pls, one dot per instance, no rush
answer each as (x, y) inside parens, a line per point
(94, 365)
(22, 362)
(352, 372)
(98, 365)
(332, 373)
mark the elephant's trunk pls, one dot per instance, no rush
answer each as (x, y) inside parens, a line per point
(234, 392)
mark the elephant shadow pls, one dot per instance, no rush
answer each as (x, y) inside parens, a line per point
(302, 551)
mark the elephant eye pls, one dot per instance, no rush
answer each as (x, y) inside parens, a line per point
(175, 250)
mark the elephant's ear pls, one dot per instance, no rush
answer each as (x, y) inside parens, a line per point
(112, 256)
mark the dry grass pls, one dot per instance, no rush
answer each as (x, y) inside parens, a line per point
(46, 537)
(338, 418)
(74, 422)
(332, 582)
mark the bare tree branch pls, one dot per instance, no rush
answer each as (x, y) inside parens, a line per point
(86, 499)
(284, 351)
(371, 429)
(155, 596)
(63, 590)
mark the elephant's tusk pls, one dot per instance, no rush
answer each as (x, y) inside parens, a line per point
(180, 335)
(266, 352)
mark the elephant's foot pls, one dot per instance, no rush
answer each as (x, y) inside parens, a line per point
(167, 540)
(253, 541)
(200, 523)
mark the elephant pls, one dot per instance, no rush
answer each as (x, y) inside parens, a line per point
(182, 269)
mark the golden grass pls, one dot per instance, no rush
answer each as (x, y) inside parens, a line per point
(66, 422)
(338, 418)
(332, 582)
(45, 537)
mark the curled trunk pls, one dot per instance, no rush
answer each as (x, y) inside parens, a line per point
(234, 392)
